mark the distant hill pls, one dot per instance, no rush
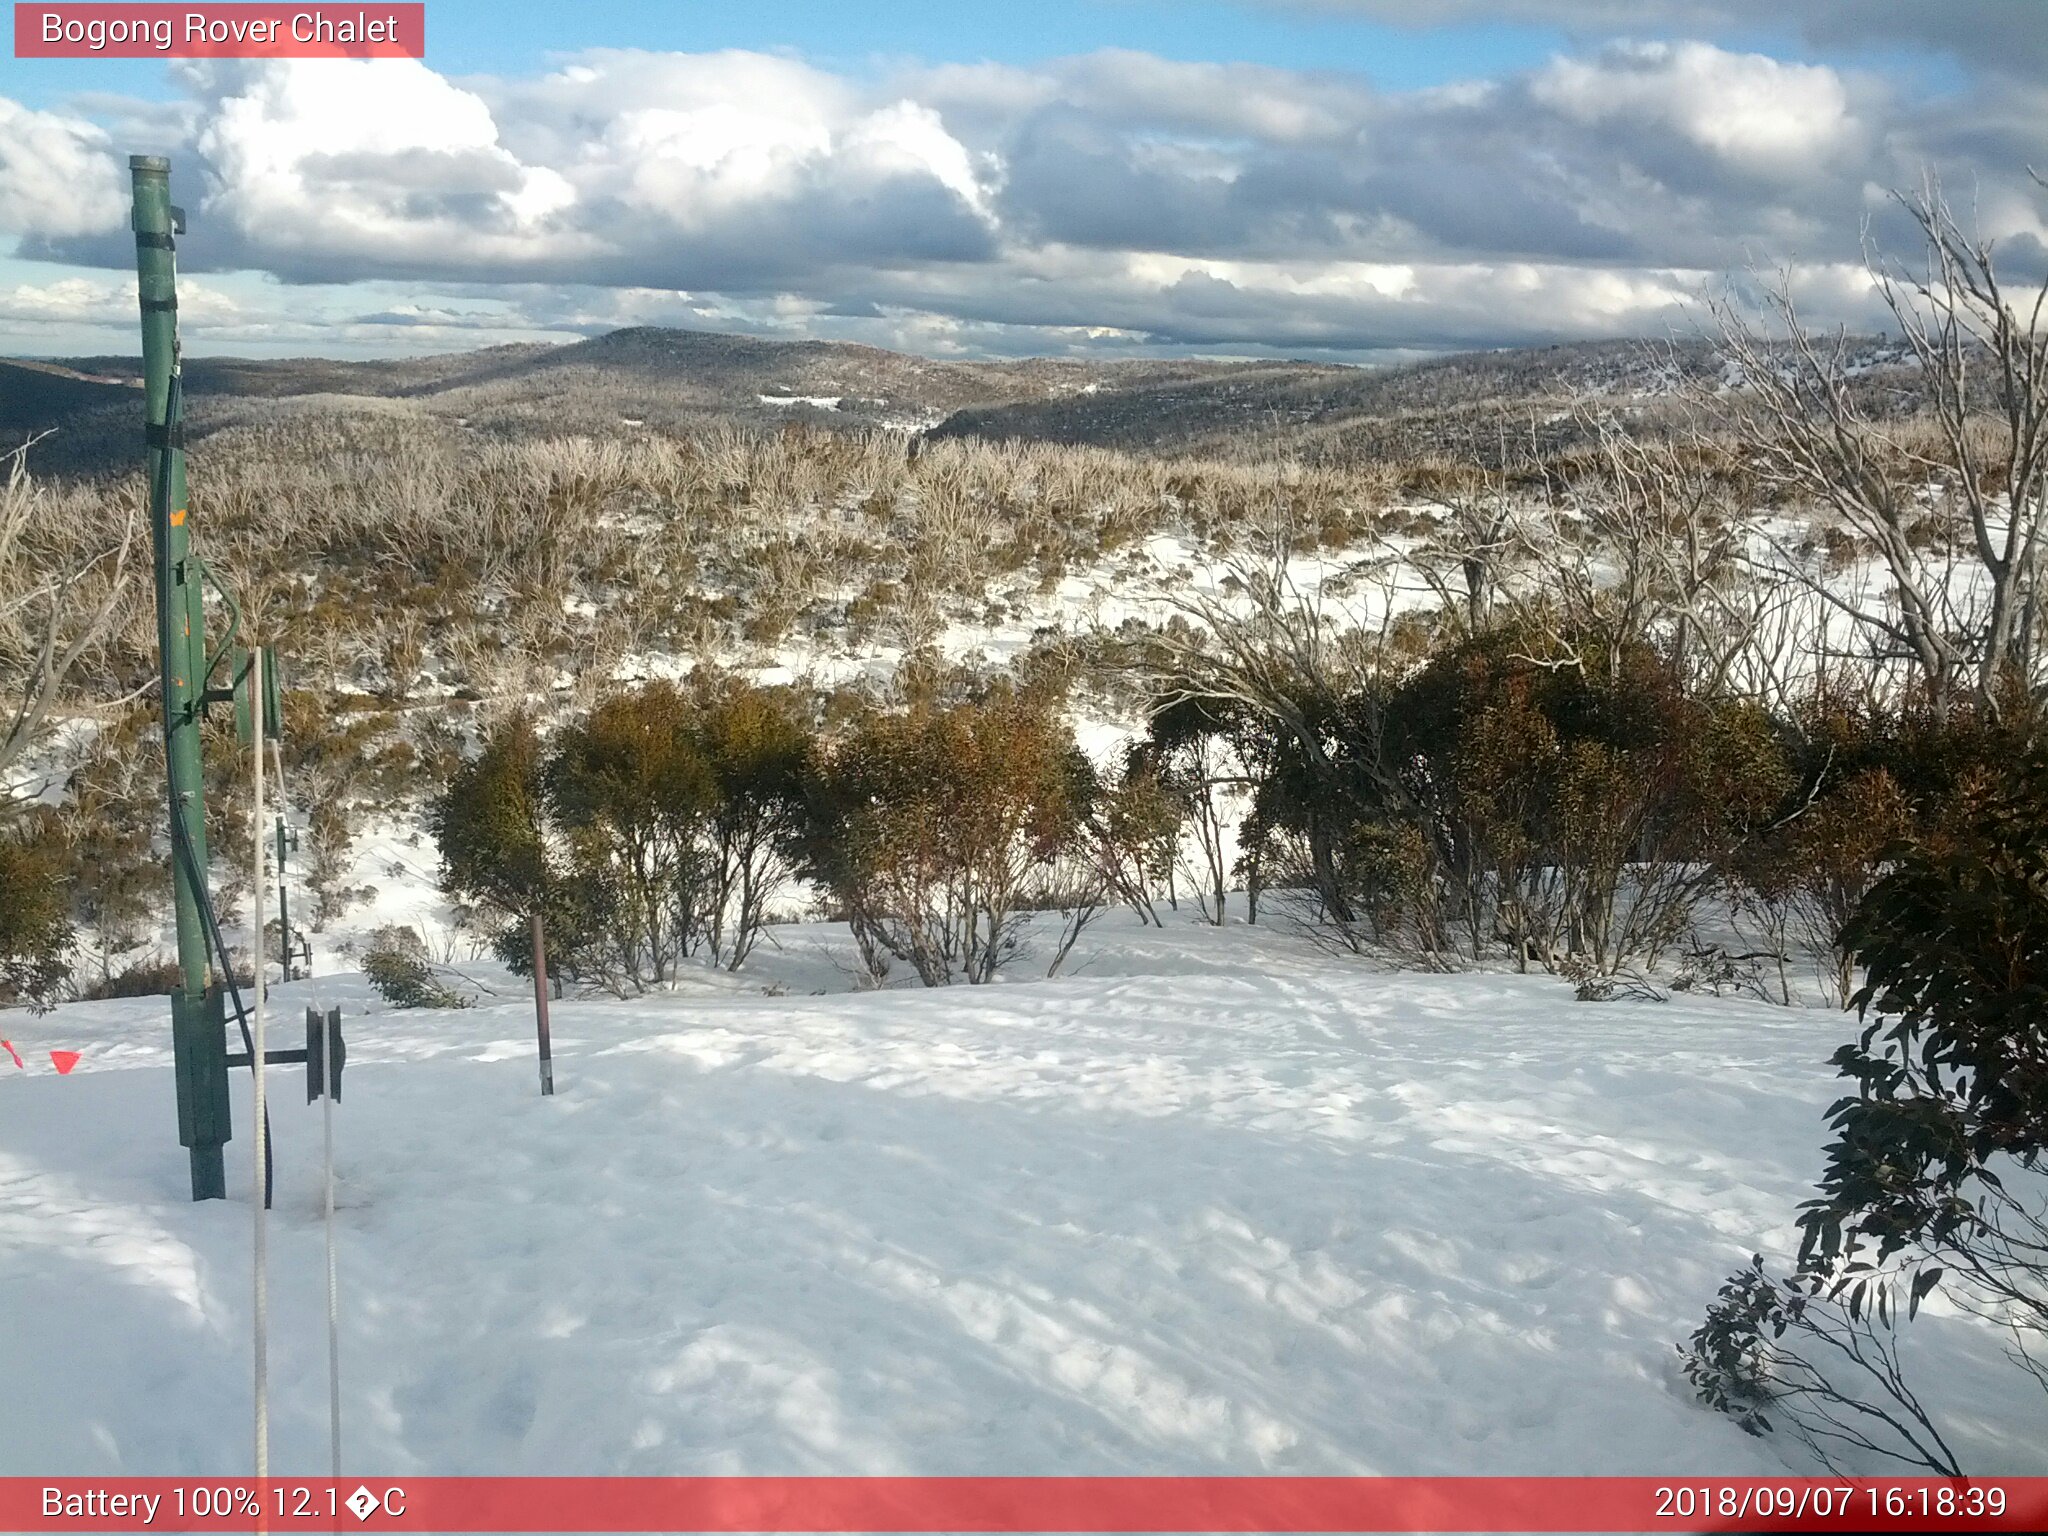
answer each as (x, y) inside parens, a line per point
(66, 401)
(642, 377)
(657, 379)
(1447, 404)
(664, 377)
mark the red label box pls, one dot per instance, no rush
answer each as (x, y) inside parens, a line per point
(1130, 1505)
(371, 30)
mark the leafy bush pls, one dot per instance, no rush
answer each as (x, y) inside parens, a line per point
(491, 825)
(929, 828)
(1951, 1071)
(1778, 1350)
(1572, 811)
(1134, 825)
(157, 976)
(757, 746)
(395, 962)
(35, 924)
(1867, 780)
(633, 794)
(1195, 753)
(656, 827)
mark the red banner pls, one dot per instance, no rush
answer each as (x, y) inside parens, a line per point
(258, 31)
(1017, 1504)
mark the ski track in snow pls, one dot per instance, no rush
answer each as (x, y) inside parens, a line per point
(1218, 1203)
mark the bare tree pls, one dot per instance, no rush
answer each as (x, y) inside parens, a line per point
(1258, 640)
(1467, 559)
(1958, 318)
(59, 590)
(1660, 505)
(1955, 513)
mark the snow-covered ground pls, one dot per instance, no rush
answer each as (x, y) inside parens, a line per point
(1214, 1202)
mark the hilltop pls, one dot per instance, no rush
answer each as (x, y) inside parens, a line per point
(660, 379)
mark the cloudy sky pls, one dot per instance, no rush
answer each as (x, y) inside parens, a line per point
(1353, 179)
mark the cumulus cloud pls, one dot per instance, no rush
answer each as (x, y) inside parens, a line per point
(68, 300)
(1115, 197)
(108, 301)
(1783, 120)
(57, 175)
(386, 166)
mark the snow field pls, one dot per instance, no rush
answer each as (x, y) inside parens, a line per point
(1217, 1203)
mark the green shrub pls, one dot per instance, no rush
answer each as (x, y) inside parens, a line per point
(395, 962)
(632, 794)
(35, 922)
(928, 827)
(1951, 1072)
(1574, 810)
(656, 827)
(157, 976)
(1867, 780)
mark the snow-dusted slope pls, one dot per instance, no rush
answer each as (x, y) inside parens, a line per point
(1216, 1203)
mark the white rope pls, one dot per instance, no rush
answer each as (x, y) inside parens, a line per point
(326, 1168)
(333, 1305)
(261, 1241)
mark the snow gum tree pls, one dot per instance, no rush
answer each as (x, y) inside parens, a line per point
(932, 826)
(634, 795)
(1953, 502)
(35, 928)
(654, 828)
(501, 855)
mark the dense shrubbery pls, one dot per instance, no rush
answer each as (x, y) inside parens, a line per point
(656, 827)
(35, 926)
(1952, 1069)
(933, 829)
(113, 812)
(490, 823)
(1569, 797)
(1583, 815)
(1867, 781)
(155, 976)
(1572, 813)
(659, 827)
(1491, 802)
(1187, 777)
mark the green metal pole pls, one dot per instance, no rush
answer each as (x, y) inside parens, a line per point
(199, 1046)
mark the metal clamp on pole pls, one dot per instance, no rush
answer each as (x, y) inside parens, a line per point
(325, 1054)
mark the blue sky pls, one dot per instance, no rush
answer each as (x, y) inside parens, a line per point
(1345, 178)
(522, 35)
(519, 35)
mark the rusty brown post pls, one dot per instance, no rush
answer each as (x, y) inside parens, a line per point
(540, 1005)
